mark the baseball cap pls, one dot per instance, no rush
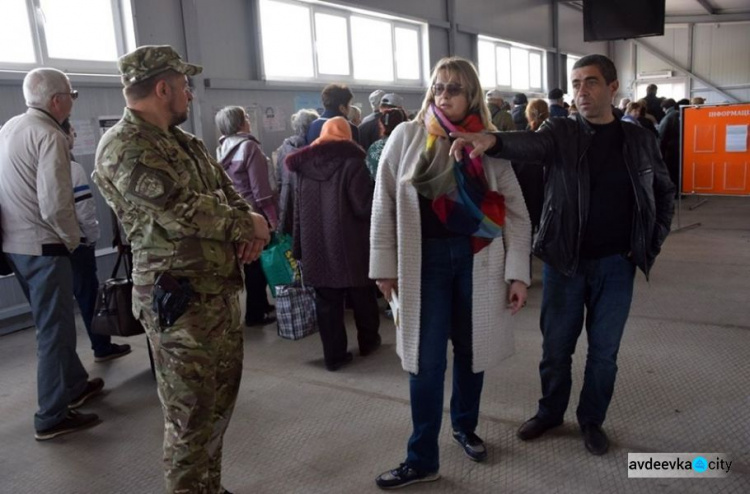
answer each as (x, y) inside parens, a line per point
(392, 99)
(555, 94)
(149, 60)
(520, 99)
(375, 97)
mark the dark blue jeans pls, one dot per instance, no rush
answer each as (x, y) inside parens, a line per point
(85, 289)
(446, 314)
(604, 287)
(47, 282)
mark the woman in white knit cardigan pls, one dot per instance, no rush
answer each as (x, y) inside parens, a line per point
(452, 239)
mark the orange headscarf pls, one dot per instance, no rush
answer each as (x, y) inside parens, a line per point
(335, 129)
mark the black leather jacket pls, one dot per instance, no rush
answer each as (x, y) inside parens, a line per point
(561, 144)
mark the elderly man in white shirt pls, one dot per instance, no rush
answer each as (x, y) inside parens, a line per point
(40, 230)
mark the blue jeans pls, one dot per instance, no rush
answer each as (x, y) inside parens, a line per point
(604, 287)
(85, 289)
(446, 314)
(47, 282)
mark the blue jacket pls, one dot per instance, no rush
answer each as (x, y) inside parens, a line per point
(557, 111)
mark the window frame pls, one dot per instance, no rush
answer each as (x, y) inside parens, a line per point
(35, 17)
(348, 12)
(509, 45)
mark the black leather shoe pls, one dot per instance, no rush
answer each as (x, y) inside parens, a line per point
(535, 427)
(334, 366)
(93, 388)
(595, 439)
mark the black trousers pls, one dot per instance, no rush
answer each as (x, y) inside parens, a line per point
(329, 304)
(257, 304)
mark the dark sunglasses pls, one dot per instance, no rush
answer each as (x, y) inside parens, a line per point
(451, 88)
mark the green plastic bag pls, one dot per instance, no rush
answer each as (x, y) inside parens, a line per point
(278, 264)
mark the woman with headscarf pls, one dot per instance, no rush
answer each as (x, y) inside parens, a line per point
(452, 240)
(332, 206)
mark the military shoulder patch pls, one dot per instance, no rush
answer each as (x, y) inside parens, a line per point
(151, 185)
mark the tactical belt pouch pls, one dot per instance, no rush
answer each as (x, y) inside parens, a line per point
(171, 297)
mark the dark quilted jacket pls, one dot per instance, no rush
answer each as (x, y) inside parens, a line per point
(332, 206)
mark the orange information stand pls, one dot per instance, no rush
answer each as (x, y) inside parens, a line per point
(716, 150)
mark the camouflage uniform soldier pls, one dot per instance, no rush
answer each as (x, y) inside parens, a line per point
(182, 217)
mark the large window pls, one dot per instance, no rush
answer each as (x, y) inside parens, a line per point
(83, 35)
(305, 41)
(510, 66)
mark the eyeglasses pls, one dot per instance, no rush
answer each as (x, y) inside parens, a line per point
(450, 88)
(73, 94)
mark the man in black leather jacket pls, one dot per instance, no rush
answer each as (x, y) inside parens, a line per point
(608, 208)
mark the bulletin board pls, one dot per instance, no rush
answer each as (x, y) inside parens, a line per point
(716, 150)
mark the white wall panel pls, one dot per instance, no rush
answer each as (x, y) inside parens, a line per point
(159, 23)
(673, 44)
(526, 21)
(430, 9)
(722, 53)
(226, 38)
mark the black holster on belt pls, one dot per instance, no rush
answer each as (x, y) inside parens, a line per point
(171, 297)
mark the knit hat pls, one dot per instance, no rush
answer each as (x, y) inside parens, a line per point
(335, 129)
(520, 99)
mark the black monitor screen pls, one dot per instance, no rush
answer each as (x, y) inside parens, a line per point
(620, 19)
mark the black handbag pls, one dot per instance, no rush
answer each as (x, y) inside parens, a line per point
(113, 314)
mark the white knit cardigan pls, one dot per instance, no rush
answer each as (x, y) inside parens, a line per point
(396, 251)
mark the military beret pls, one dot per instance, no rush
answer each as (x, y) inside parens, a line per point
(150, 60)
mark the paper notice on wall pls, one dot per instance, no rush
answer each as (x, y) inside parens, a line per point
(107, 122)
(85, 137)
(737, 138)
(309, 101)
(274, 119)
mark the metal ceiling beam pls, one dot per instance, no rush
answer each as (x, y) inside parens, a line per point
(708, 19)
(707, 6)
(661, 56)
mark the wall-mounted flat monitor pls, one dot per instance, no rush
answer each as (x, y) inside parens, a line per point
(621, 19)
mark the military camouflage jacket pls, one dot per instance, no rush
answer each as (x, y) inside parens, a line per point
(177, 206)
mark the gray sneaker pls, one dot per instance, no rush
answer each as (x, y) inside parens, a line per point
(472, 444)
(402, 476)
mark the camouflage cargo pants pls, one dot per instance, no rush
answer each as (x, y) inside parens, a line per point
(198, 365)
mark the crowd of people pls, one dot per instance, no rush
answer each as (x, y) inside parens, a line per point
(438, 210)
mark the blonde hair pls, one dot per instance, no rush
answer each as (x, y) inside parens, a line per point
(537, 111)
(465, 72)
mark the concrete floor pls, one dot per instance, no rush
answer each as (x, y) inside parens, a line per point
(683, 386)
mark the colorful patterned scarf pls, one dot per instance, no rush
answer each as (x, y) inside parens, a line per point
(460, 195)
